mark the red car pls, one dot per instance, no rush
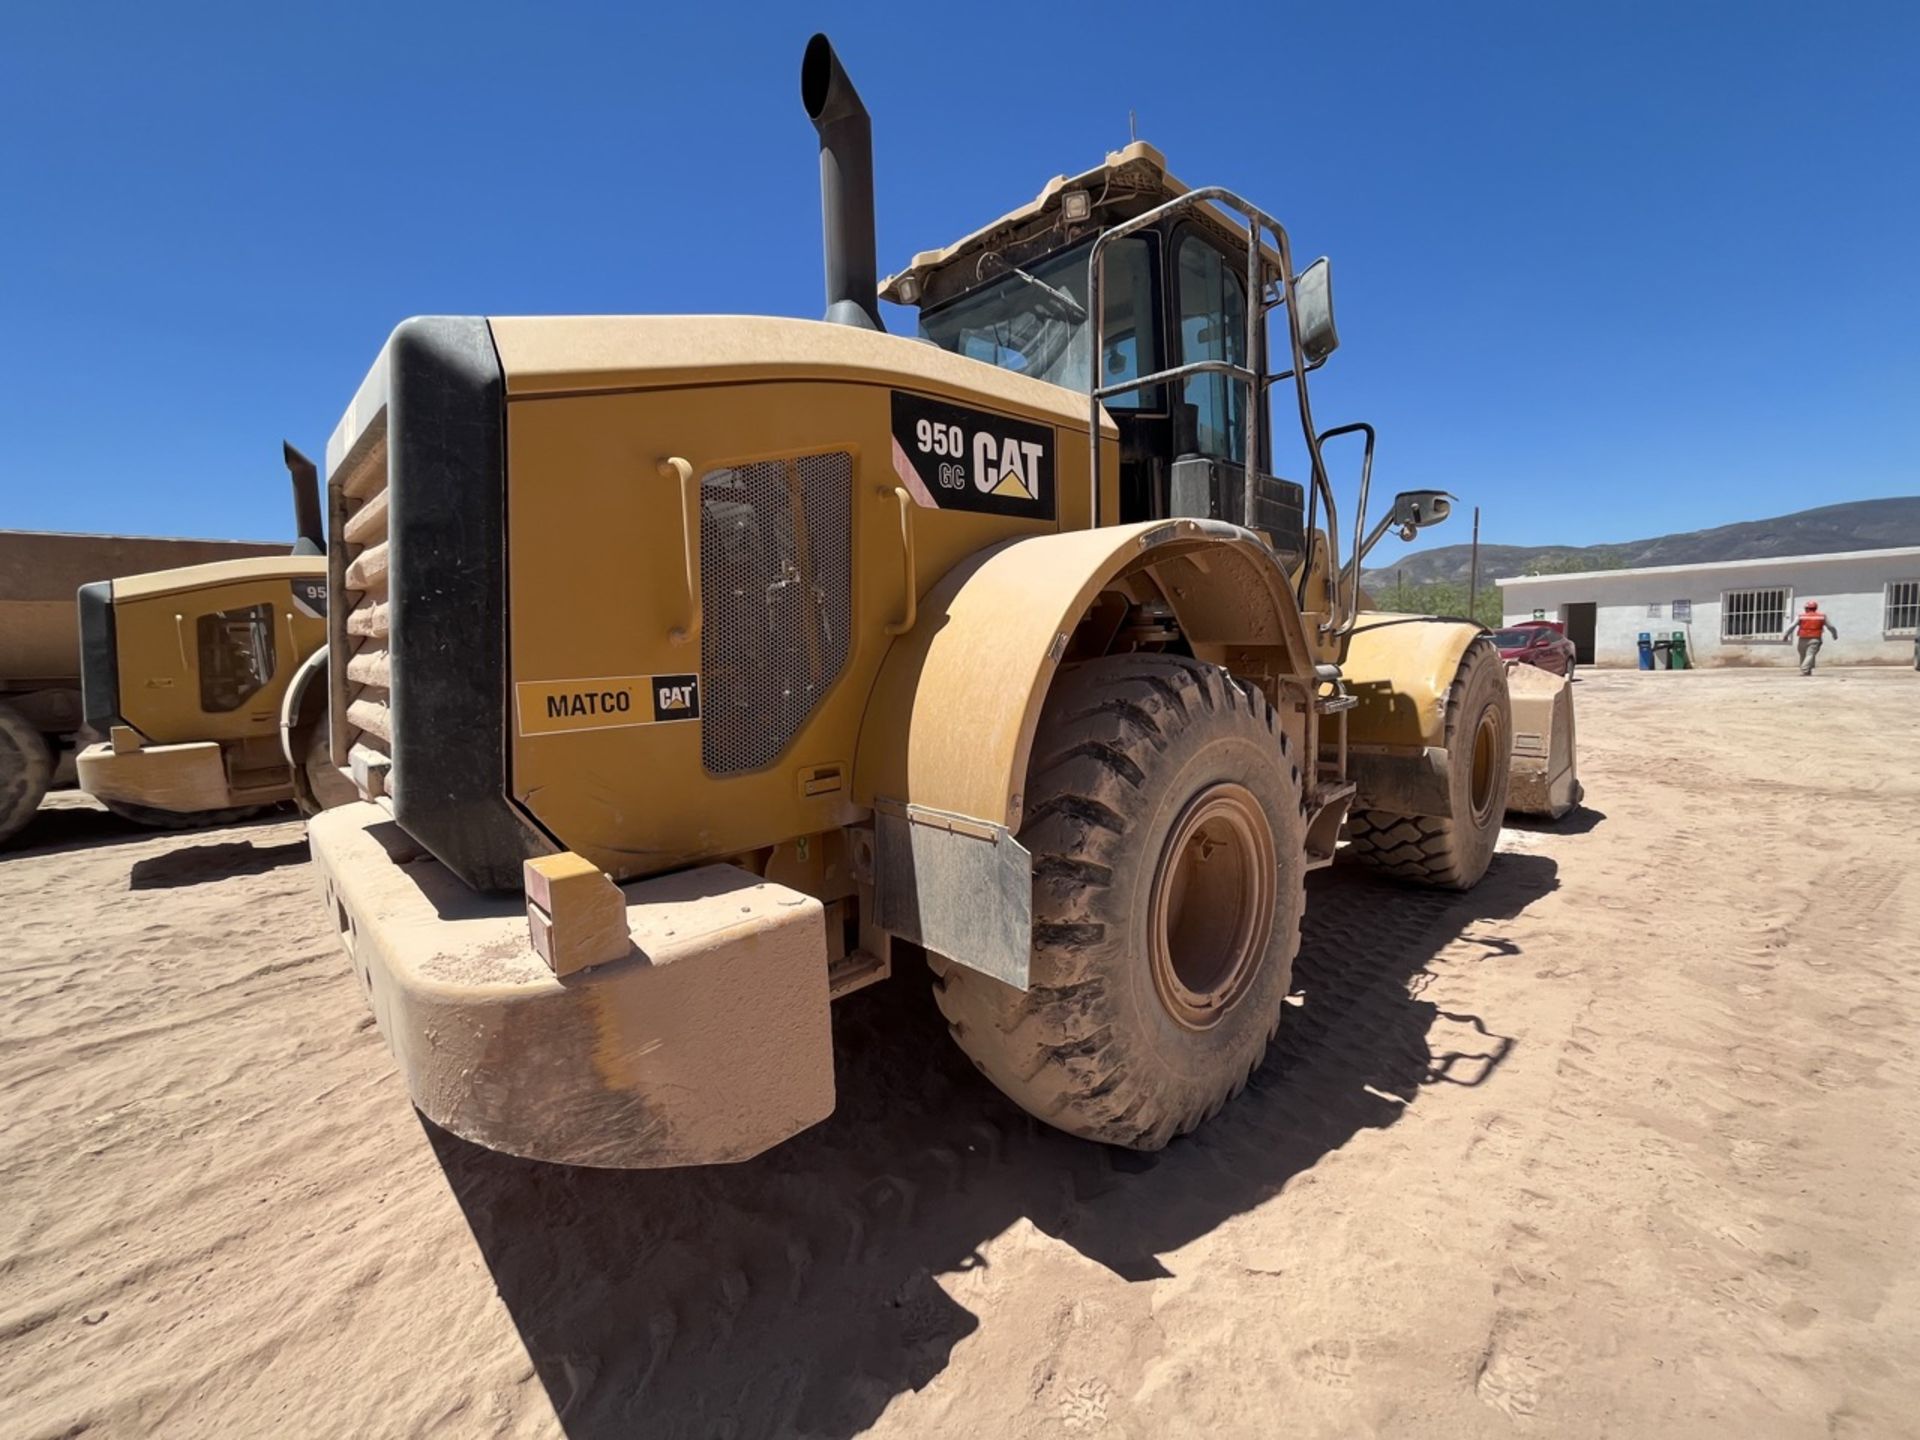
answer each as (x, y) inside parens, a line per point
(1540, 643)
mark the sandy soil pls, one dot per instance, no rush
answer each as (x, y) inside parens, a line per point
(1623, 1143)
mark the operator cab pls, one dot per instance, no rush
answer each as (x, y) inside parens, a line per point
(1173, 294)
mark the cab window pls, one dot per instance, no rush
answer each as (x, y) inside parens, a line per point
(1035, 322)
(236, 656)
(1212, 299)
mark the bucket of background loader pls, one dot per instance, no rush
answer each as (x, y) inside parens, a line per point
(1544, 778)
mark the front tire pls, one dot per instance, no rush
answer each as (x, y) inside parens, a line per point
(1452, 852)
(1163, 814)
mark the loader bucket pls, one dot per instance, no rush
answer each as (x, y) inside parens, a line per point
(1544, 778)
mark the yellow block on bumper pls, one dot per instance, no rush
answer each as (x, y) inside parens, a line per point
(709, 1042)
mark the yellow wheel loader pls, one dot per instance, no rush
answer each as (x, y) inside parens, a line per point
(205, 681)
(40, 700)
(697, 670)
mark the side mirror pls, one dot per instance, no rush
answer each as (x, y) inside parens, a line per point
(1414, 510)
(1313, 297)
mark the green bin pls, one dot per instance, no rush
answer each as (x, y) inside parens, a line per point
(1677, 657)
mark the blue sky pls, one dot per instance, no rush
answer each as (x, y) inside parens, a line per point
(1605, 270)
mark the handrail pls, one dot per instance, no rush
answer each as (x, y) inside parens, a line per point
(1255, 221)
(911, 614)
(676, 469)
(1359, 514)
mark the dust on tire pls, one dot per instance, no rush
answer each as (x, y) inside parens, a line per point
(1125, 746)
(1451, 852)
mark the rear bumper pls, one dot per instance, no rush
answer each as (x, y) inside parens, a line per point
(182, 779)
(710, 1042)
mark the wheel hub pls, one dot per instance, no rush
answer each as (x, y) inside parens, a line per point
(1212, 905)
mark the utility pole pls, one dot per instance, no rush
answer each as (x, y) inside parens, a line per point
(1473, 572)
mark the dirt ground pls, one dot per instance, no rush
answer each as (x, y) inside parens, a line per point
(1622, 1143)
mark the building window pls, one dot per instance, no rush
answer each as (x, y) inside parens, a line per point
(1683, 611)
(1753, 614)
(1903, 607)
(1653, 610)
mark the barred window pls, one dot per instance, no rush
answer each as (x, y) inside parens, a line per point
(1753, 614)
(1903, 607)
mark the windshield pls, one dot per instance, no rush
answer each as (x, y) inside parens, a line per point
(1036, 322)
(1513, 639)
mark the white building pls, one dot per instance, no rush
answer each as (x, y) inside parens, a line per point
(1733, 612)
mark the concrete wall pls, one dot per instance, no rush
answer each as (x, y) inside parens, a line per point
(1850, 590)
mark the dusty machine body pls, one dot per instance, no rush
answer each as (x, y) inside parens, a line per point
(41, 716)
(693, 670)
(186, 673)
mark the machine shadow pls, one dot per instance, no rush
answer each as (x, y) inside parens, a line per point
(60, 827)
(203, 864)
(795, 1294)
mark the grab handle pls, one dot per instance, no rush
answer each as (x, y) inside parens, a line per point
(676, 469)
(906, 621)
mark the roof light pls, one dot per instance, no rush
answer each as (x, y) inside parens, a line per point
(1075, 205)
(907, 287)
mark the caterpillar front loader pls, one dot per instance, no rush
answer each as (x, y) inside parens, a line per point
(41, 725)
(201, 676)
(697, 670)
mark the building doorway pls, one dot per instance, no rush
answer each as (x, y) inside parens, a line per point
(1579, 620)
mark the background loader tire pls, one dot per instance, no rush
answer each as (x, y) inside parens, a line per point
(1163, 814)
(1452, 853)
(154, 818)
(26, 769)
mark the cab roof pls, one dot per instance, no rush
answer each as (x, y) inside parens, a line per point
(1129, 182)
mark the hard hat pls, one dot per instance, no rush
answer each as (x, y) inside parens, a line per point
(1813, 604)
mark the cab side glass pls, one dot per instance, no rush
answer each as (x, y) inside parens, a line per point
(1213, 326)
(236, 656)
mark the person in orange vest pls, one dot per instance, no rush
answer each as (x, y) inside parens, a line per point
(1809, 627)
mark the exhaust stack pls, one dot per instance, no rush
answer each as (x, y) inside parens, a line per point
(309, 531)
(846, 186)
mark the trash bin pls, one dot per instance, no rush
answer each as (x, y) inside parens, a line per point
(1663, 654)
(1679, 654)
(1646, 651)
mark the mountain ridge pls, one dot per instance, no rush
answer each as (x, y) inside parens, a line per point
(1825, 529)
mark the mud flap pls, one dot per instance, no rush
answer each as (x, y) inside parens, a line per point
(957, 886)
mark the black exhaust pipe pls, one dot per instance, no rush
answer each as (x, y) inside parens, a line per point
(846, 186)
(309, 530)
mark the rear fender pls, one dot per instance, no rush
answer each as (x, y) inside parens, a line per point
(949, 727)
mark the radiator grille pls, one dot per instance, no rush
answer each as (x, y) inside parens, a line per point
(362, 539)
(776, 586)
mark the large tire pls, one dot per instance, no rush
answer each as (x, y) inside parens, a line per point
(1452, 852)
(1163, 813)
(26, 770)
(154, 818)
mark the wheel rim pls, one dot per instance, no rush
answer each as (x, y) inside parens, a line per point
(1212, 907)
(1486, 736)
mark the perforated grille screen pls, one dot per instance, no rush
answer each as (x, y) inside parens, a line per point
(776, 586)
